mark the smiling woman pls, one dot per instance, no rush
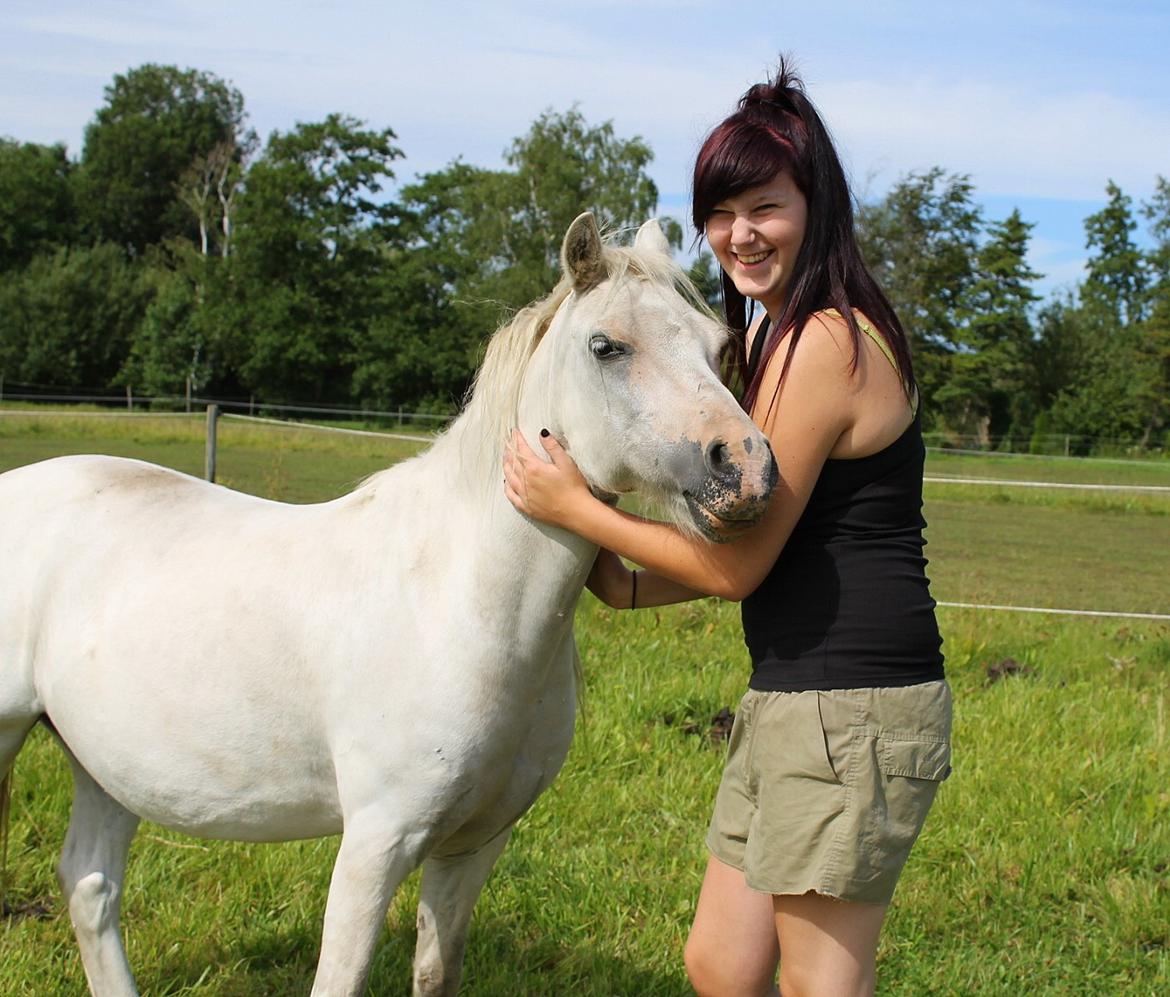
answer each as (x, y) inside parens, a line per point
(843, 737)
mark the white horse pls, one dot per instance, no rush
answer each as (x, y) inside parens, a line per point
(396, 665)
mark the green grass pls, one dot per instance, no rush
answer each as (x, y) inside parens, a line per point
(1083, 470)
(1044, 867)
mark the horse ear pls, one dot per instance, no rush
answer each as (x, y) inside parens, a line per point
(581, 253)
(651, 238)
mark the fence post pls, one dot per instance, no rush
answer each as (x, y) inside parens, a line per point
(188, 392)
(209, 462)
(129, 398)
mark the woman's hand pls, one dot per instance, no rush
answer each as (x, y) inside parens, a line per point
(549, 492)
(609, 580)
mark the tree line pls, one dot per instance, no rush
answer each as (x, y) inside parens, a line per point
(179, 253)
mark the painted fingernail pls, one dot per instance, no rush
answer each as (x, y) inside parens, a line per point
(544, 432)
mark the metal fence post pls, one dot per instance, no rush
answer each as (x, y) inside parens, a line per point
(209, 462)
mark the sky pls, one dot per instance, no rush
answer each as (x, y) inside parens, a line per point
(1041, 102)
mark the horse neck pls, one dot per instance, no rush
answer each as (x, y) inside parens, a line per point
(545, 565)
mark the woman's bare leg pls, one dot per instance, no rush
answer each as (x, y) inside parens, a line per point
(732, 949)
(828, 946)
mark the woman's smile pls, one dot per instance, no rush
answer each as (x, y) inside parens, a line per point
(750, 259)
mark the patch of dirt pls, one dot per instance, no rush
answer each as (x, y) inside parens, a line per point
(36, 910)
(1009, 666)
(717, 730)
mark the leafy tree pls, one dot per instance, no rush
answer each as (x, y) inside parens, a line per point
(491, 238)
(67, 319)
(180, 341)
(1116, 281)
(36, 201)
(1156, 338)
(563, 166)
(308, 247)
(156, 122)
(1094, 378)
(209, 188)
(1157, 213)
(1116, 368)
(416, 352)
(1110, 396)
(921, 241)
(704, 274)
(511, 222)
(990, 374)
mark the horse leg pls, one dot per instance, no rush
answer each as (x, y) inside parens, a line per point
(18, 715)
(374, 858)
(91, 873)
(450, 887)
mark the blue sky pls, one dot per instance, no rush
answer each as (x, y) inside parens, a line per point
(1041, 102)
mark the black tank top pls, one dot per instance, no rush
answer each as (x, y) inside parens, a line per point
(847, 604)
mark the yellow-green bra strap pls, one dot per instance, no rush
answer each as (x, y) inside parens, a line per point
(882, 345)
(873, 334)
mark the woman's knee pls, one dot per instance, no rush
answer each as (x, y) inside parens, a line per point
(719, 973)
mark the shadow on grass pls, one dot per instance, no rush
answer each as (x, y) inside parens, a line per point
(498, 964)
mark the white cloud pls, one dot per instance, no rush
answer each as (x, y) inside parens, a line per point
(1059, 144)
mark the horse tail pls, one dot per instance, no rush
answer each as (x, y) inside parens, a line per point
(5, 813)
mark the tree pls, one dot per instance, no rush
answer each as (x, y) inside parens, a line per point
(491, 238)
(1156, 338)
(209, 188)
(416, 352)
(704, 274)
(921, 243)
(181, 340)
(1115, 360)
(67, 319)
(36, 202)
(308, 248)
(157, 121)
(563, 166)
(1116, 281)
(1157, 213)
(989, 381)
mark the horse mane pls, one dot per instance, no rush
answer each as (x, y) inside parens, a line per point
(483, 429)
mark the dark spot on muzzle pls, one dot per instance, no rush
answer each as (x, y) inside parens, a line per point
(717, 500)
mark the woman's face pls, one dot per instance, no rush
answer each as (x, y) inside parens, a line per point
(755, 237)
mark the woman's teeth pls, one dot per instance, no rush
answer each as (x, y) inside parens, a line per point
(752, 257)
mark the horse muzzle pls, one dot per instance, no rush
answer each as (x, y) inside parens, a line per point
(732, 494)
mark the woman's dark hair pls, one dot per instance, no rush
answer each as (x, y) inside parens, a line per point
(776, 128)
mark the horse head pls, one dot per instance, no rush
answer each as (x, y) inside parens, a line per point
(626, 376)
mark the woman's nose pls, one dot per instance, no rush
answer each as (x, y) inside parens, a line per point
(741, 230)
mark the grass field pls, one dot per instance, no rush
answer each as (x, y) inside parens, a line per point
(1044, 868)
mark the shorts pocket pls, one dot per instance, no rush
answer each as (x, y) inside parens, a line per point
(914, 757)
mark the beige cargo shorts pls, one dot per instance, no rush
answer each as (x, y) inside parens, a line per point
(828, 790)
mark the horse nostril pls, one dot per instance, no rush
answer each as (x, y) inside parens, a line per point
(718, 458)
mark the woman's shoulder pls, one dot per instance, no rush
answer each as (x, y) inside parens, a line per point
(825, 334)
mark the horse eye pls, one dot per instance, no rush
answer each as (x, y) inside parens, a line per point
(604, 348)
